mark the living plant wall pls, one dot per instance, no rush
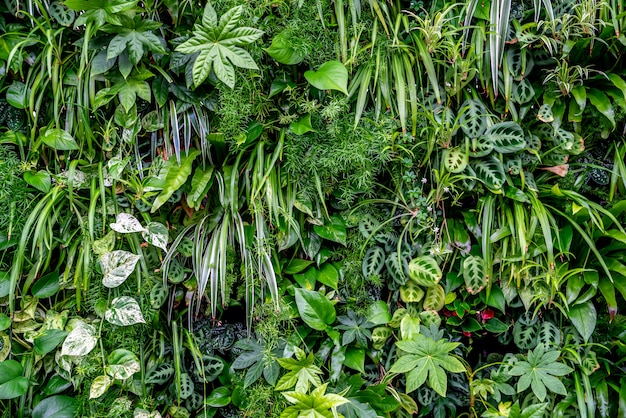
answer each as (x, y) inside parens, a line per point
(312, 208)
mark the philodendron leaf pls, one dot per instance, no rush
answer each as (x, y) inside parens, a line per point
(331, 75)
(315, 309)
(99, 386)
(122, 364)
(584, 317)
(80, 341)
(39, 180)
(126, 223)
(124, 311)
(425, 271)
(200, 184)
(57, 406)
(156, 234)
(117, 266)
(282, 51)
(48, 341)
(58, 139)
(335, 230)
(474, 274)
(12, 383)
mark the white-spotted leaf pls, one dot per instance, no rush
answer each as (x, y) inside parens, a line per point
(124, 311)
(117, 266)
(156, 234)
(80, 341)
(126, 223)
(99, 386)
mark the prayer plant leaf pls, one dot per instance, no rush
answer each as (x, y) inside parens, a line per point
(124, 311)
(218, 46)
(117, 266)
(541, 371)
(426, 358)
(425, 271)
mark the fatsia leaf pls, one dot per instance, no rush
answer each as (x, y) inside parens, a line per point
(538, 371)
(302, 372)
(218, 46)
(427, 359)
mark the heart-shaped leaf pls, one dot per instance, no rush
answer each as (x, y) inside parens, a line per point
(58, 139)
(126, 223)
(117, 266)
(124, 311)
(40, 180)
(12, 383)
(331, 75)
(99, 386)
(156, 234)
(80, 341)
(315, 309)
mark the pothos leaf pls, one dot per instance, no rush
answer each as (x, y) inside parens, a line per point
(117, 266)
(80, 341)
(126, 223)
(124, 311)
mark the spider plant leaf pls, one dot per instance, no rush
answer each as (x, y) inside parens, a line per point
(428, 64)
(58, 139)
(397, 71)
(124, 311)
(362, 80)
(331, 75)
(602, 104)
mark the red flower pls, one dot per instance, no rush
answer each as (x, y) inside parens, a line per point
(485, 315)
(467, 334)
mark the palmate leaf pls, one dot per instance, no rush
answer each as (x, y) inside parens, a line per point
(302, 372)
(427, 359)
(134, 36)
(540, 371)
(218, 46)
(99, 11)
(316, 404)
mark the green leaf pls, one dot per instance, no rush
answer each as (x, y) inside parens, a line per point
(173, 176)
(472, 118)
(427, 358)
(219, 397)
(47, 286)
(455, 160)
(5, 321)
(302, 372)
(80, 341)
(378, 313)
(302, 125)
(218, 46)
(317, 404)
(58, 139)
(117, 266)
(334, 230)
(425, 271)
(584, 317)
(435, 298)
(538, 371)
(315, 309)
(328, 275)
(124, 311)
(296, 266)
(282, 51)
(200, 184)
(48, 341)
(122, 364)
(39, 180)
(602, 103)
(355, 359)
(331, 75)
(373, 262)
(57, 406)
(17, 95)
(12, 383)
(411, 292)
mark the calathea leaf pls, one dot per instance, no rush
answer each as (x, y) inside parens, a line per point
(435, 298)
(218, 46)
(506, 137)
(455, 160)
(474, 274)
(473, 118)
(373, 262)
(489, 170)
(425, 271)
